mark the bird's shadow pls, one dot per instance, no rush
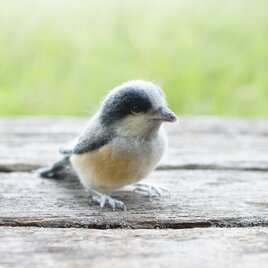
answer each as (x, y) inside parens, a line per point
(70, 186)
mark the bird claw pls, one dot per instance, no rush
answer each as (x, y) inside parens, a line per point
(105, 200)
(152, 191)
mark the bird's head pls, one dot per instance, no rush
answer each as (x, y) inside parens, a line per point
(136, 109)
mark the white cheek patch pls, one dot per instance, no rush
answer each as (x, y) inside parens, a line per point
(134, 125)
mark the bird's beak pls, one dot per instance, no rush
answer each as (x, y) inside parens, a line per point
(164, 114)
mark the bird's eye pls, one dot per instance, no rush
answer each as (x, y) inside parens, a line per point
(136, 109)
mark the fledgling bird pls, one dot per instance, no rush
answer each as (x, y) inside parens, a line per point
(121, 144)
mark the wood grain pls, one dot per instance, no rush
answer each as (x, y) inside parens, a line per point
(203, 248)
(196, 143)
(199, 198)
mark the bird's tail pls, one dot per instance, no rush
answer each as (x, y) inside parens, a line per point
(58, 170)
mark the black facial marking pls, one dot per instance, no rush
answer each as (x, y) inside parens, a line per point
(122, 104)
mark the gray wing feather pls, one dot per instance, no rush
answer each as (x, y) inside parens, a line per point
(92, 138)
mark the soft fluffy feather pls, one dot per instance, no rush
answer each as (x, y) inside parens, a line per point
(132, 145)
(124, 161)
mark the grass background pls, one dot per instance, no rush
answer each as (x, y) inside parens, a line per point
(61, 57)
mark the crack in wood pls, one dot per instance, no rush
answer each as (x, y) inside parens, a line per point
(18, 168)
(95, 224)
(209, 167)
(29, 168)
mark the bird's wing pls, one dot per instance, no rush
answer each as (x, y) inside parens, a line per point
(86, 145)
(92, 138)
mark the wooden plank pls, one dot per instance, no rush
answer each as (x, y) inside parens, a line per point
(204, 248)
(196, 143)
(199, 198)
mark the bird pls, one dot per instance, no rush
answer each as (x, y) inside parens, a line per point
(121, 144)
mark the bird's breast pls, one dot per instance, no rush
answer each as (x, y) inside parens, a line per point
(117, 164)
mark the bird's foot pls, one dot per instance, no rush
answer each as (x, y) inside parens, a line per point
(152, 191)
(105, 200)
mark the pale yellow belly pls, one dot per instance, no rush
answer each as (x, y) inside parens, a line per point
(106, 169)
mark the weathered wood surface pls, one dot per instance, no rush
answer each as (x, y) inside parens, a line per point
(204, 248)
(196, 143)
(199, 198)
(216, 169)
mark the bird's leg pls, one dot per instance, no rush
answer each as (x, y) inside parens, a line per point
(105, 200)
(150, 190)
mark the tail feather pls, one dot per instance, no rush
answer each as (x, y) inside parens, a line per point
(57, 170)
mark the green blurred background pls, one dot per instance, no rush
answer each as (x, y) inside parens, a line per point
(62, 57)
